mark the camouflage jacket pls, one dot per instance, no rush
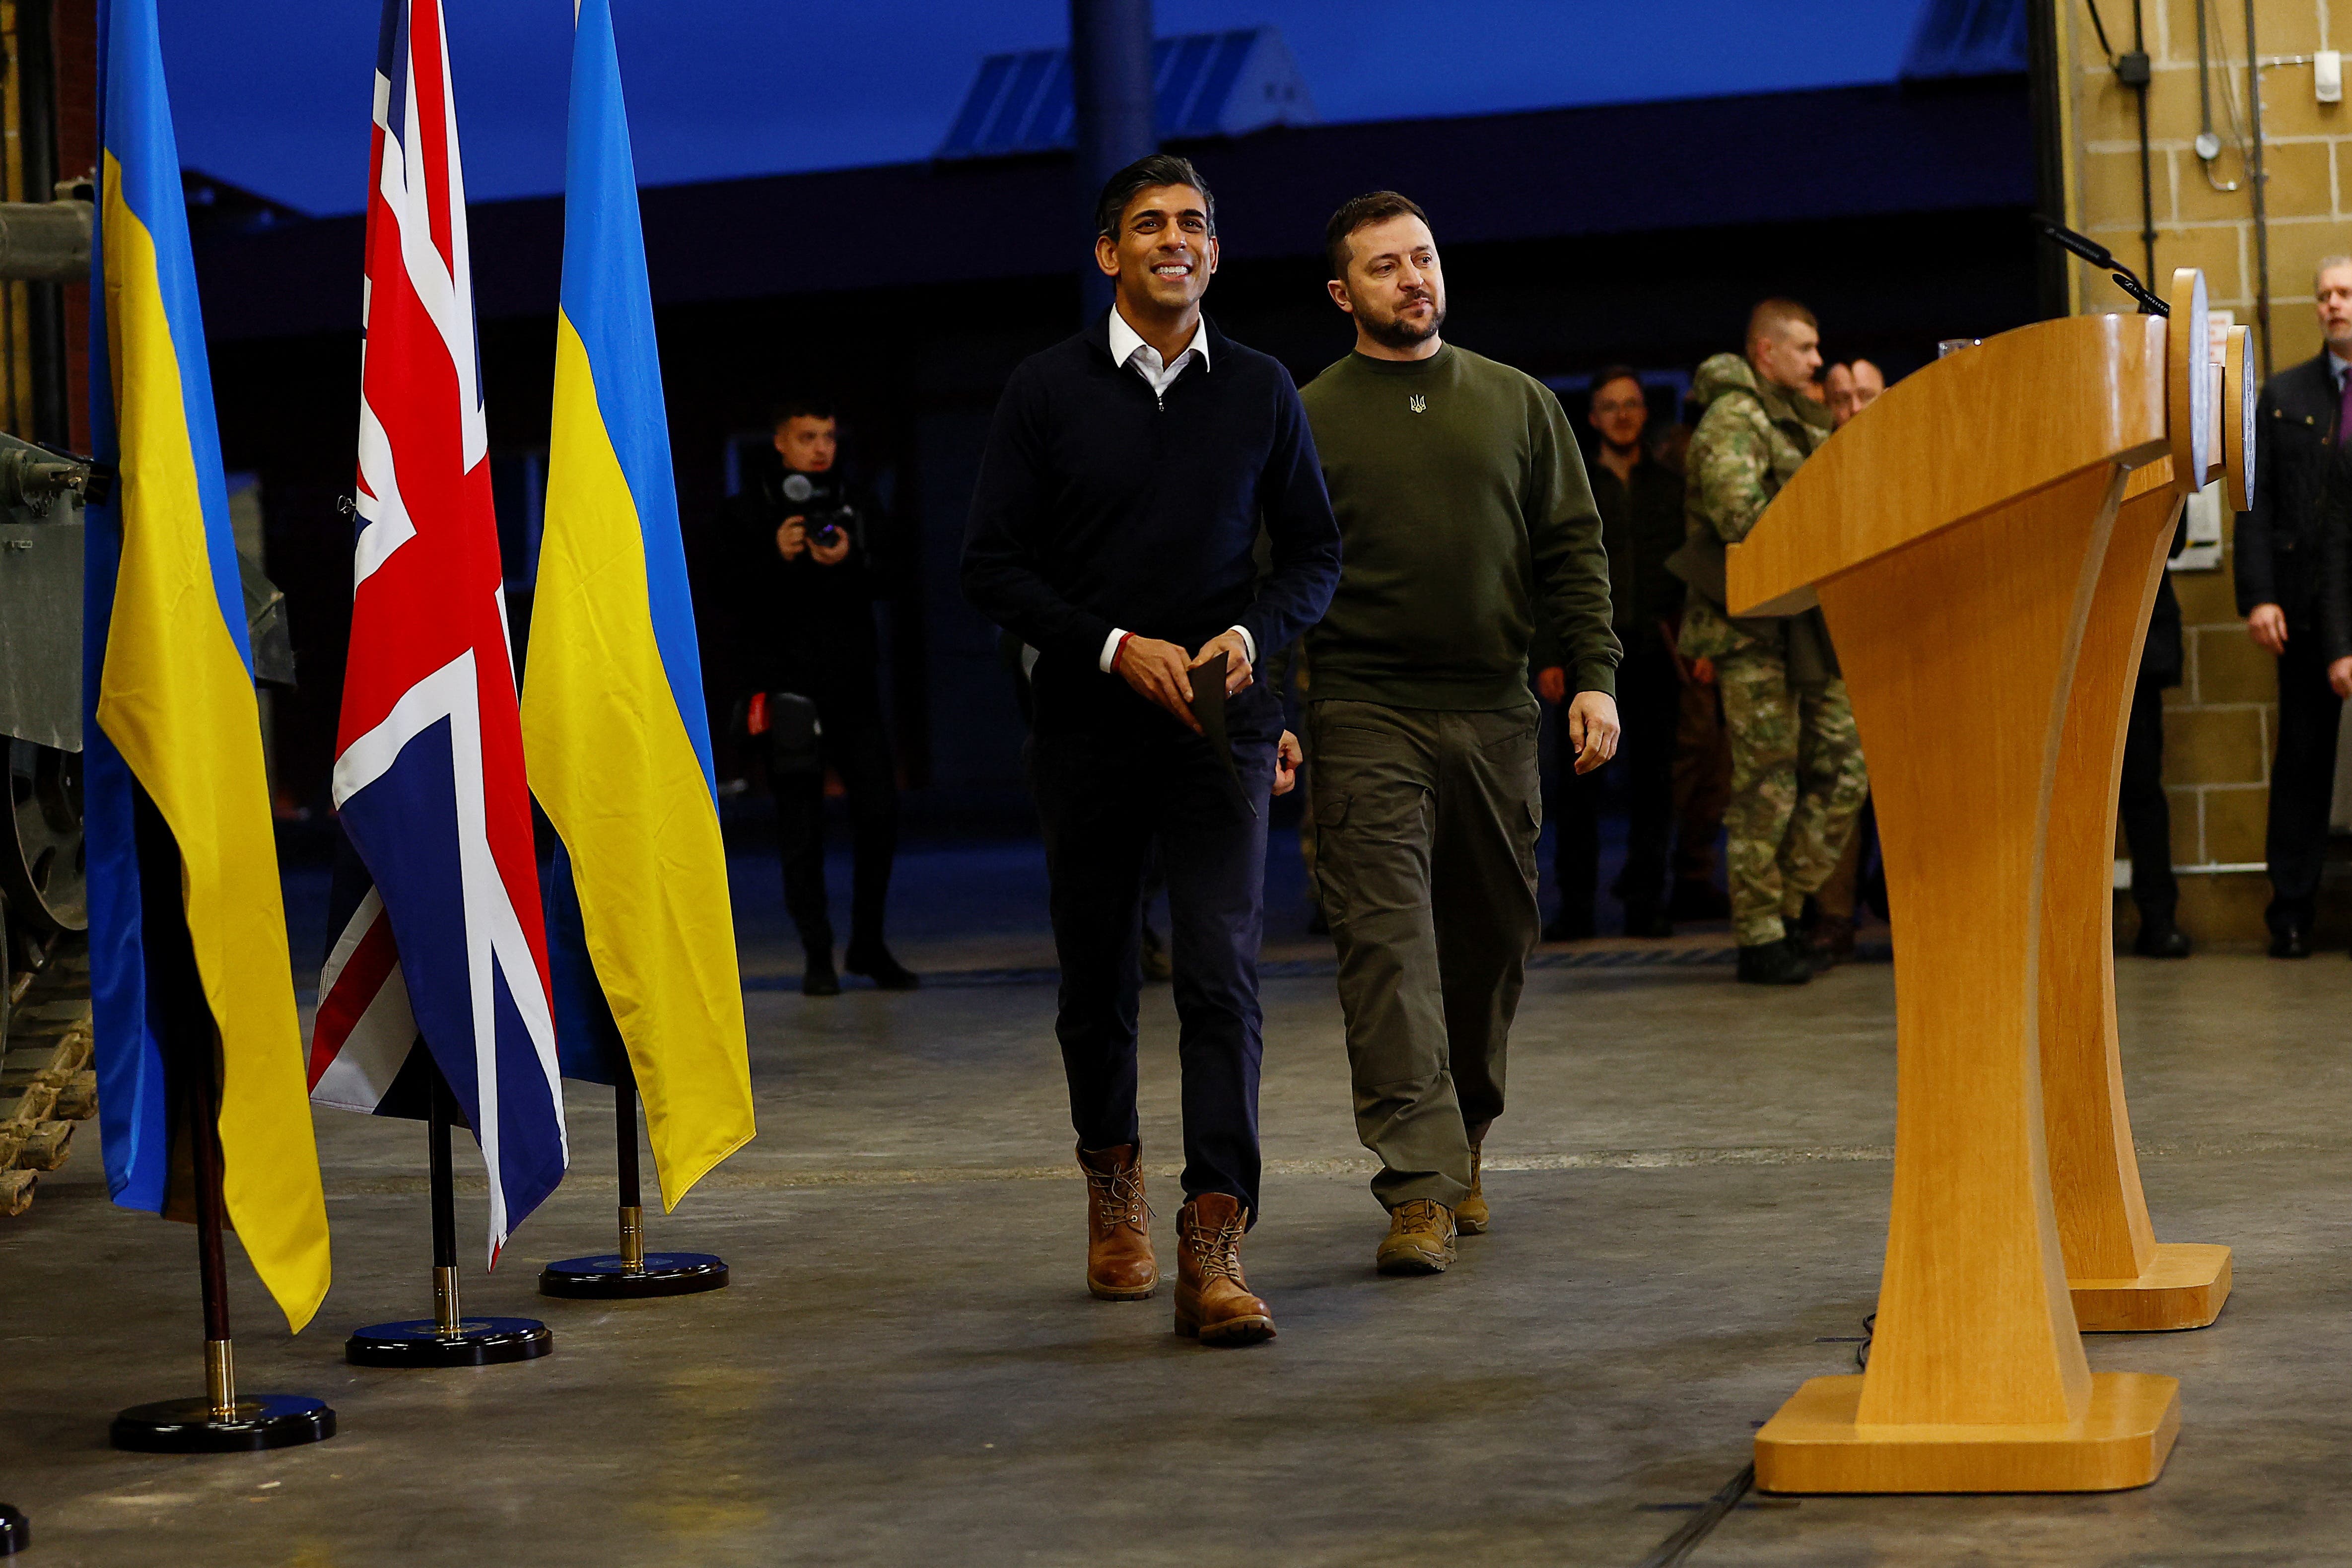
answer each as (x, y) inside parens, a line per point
(1747, 443)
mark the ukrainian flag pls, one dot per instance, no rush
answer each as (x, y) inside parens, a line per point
(614, 733)
(173, 720)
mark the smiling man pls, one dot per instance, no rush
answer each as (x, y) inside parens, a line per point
(1464, 513)
(1114, 530)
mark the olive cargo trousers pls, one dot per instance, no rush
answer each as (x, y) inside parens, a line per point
(1425, 852)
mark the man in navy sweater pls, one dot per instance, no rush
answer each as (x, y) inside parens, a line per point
(1114, 529)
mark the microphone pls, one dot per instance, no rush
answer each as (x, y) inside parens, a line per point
(2100, 256)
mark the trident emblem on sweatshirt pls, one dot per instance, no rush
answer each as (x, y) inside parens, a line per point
(1418, 403)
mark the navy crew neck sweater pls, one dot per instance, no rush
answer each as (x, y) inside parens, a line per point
(1100, 505)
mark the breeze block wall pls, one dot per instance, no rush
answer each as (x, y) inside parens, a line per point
(2220, 724)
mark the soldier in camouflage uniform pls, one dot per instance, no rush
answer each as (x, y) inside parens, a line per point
(1798, 778)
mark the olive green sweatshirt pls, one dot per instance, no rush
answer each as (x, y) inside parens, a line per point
(1457, 485)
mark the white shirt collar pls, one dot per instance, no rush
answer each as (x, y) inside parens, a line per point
(1125, 341)
(2336, 364)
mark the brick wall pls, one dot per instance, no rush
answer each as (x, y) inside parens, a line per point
(2219, 725)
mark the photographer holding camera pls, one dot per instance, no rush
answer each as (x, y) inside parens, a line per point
(803, 576)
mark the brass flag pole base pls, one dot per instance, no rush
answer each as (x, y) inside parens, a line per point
(447, 1338)
(218, 1421)
(632, 1273)
(254, 1423)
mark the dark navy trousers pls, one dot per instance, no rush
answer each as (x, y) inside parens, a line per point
(1105, 797)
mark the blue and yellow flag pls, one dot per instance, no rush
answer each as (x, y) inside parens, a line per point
(173, 721)
(614, 737)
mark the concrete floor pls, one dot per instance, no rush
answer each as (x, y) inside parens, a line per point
(1690, 1195)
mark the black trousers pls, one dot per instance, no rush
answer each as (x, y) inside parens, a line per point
(1649, 705)
(860, 754)
(2303, 778)
(1103, 798)
(2146, 817)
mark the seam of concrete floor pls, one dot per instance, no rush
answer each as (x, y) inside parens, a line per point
(1565, 1160)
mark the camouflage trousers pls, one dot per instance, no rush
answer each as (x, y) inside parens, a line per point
(1796, 784)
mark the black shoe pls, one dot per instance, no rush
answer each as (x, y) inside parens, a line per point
(877, 965)
(818, 979)
(1648, 920)
(1781, 963)
(1698, 900)
(2163, 939)
(1156, 966)
(1569, 927)
(2291, 939)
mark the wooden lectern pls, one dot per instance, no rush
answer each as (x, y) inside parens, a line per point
(1984, 541)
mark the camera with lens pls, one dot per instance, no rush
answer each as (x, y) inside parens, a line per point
(822, 503)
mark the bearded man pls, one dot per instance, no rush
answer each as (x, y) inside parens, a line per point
(1464, 513)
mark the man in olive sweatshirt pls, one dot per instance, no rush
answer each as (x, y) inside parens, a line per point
(1462, 500)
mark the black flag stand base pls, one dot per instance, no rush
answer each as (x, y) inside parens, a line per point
(15, 1530)
(220, 1422)
(447, 1338)
(632, 1272)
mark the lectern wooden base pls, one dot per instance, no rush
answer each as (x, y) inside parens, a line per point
(2184, 1288)
(1815, 1445)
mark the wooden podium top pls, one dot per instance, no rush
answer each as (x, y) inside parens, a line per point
(2011, 416)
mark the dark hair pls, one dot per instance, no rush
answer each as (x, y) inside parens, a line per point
(1145, 174)
(1607, 373)
(1359, 212)
(800, 408)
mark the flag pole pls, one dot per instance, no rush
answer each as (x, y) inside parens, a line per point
(632, 1273)
(448, 1312)
(218, 1422)
(447, 1338)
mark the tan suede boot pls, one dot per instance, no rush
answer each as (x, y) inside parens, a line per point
(1419, 1238)
(1213, 1303)
(1470, 1216)
(1119, 1264)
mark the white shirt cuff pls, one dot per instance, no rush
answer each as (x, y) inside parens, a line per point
(1110, 647)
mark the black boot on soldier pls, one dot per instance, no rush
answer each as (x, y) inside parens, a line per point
(1781, 963)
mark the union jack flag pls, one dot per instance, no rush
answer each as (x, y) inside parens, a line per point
(441, 936)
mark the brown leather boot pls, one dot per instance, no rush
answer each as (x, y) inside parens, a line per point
(1119, 1265)
(1213, 1303)
(1470, 1216)
(1419, 1238)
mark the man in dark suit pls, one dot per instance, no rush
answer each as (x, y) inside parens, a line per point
(2302, 420)
(1114, 530)
(1641, 504)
